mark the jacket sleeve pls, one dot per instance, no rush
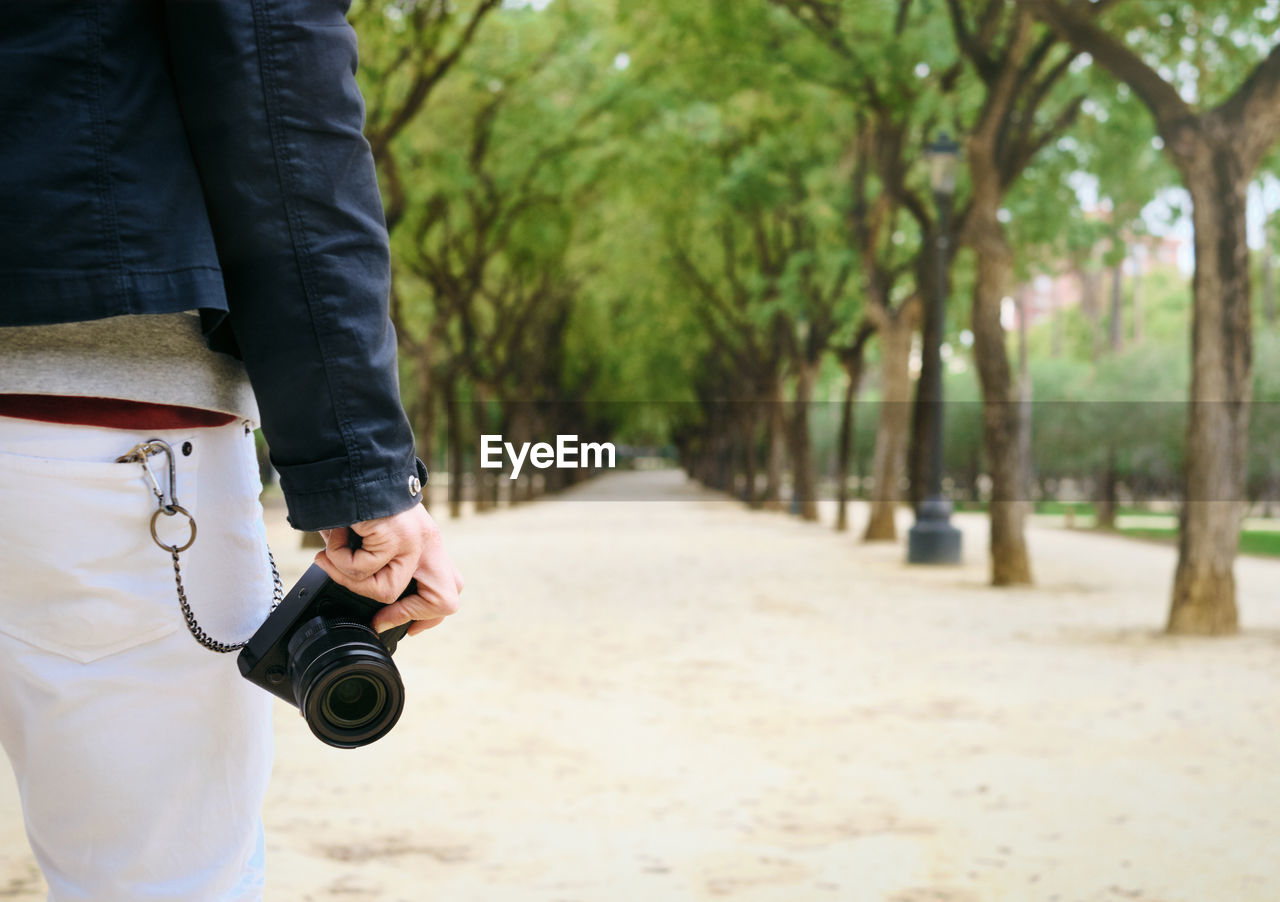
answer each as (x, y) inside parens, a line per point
(274, 118)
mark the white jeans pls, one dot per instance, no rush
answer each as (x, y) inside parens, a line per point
(141, 758)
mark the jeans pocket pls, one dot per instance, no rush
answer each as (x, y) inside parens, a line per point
(80, 575)
(227, 570)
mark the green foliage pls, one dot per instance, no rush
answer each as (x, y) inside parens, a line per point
(626, 202)
(1208, 49)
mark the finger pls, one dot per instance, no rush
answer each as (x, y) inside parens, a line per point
(356, 564)
(458, 581)
(412, 607)
(434, 596)
(322, 561)
(421, 626)
(389, 618)
(379, 587)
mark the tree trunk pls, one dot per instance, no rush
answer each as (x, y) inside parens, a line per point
(1058, 325)
(1117, 307)
(530, 491)
(774, 438)
(895, 332)
(1001, 412)
(1107, 500)
(722, 466)
(515, 433)
(751, 449)
(1091, 307)
(1027, 477)
(453, 425)
(1204, 600)
(973, 474)
(1138, 324)
(484, 479)
(853, 370)
(1268, 287)
(498, 477)
(804, 485)
(425, 425)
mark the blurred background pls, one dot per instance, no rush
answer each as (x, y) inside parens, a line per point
(979, 251)
(939, 342)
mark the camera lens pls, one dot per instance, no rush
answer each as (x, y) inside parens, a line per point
(353, 701)
(345, 683)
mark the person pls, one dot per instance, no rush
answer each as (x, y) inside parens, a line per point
(192, 242)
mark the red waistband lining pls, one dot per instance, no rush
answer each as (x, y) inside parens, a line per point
(113, 413)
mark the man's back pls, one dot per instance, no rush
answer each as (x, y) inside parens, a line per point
(159, 156)
(103, 211)
(167, 155)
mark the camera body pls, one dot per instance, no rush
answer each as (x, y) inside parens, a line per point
(318, 652)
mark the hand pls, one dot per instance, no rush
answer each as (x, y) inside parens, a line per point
(393, 551)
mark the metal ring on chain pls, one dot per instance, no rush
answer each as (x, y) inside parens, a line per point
(170, 511)
(140, 453)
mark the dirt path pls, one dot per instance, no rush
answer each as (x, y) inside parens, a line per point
(687, 700)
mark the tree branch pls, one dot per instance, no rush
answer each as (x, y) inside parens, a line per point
(1161, 98)
(1256, 103)
(900, 20)
(1032, 145)
(968, 42)
(426, 78)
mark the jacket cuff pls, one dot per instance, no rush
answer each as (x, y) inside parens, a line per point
(334, 497)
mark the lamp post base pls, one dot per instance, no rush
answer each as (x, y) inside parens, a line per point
(932, 539)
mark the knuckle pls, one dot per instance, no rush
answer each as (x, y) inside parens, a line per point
(448, 605)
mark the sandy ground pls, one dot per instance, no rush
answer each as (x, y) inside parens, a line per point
(685, 700)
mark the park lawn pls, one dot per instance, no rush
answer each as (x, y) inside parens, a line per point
(1139, 524)
(1051, 508)
(1263, 542)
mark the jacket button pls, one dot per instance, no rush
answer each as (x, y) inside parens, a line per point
(415, 486)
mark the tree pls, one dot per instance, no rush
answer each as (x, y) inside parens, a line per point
(407, 49)
(878, 48)
(1018, 71)
(777, 294)
(482, 229)
(894, 312)
(1216, 149)
(753, 199)
(851, 358)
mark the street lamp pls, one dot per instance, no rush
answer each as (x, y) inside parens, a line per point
(933, 540)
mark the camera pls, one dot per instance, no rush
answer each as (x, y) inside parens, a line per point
(319, 652)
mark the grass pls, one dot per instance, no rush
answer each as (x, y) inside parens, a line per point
(1265, 543)
(1058, 508)
(1261, 542)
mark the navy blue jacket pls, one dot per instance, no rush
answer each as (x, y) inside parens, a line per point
(166, 155)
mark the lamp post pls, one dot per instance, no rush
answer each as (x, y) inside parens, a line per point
(933, 540)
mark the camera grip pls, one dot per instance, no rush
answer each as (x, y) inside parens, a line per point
(392, 637)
